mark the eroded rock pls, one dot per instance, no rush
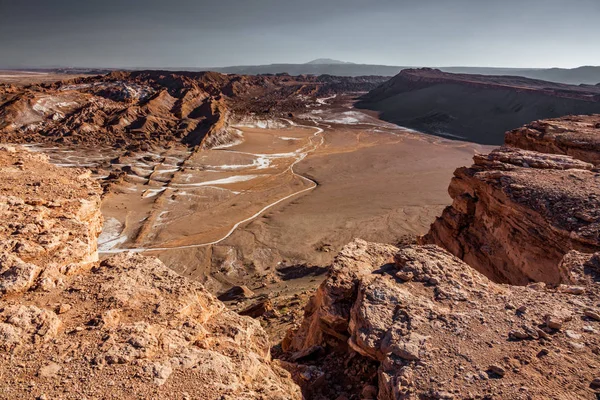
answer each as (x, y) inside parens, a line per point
(438, 340)
(127, 327)
(516, 213)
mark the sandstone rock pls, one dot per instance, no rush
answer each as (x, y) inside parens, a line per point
(45, 242)
(517, 213)
(576, 136)
(50, 370)
(593, 314)
(553, 322)
(262, 308)
(497, 370)
(236, 293)
(141, 108)
(422, 337)
(128, 327)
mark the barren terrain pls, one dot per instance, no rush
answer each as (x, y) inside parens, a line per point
(291, 192)
(475, 108)
(486, 290)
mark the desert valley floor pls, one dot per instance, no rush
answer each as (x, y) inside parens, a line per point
(291, 193)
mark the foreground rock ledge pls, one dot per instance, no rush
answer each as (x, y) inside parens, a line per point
(516, 213)
(128, 328)
(576, 136)
(438, 329)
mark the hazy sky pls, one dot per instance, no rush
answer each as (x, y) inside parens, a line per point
(197, 33)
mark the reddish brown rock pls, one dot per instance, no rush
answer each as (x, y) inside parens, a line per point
(450, 338)
(576, 136)
(51, 219)
(141, 108)
(127, 328)
(516, 213)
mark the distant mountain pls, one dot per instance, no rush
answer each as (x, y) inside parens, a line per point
(476, 108)
(588, 75)
(313, 68)
(327, 61)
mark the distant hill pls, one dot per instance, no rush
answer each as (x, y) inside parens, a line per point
(589, 75)
(476, 108)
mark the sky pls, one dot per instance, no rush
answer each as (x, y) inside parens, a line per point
(198, 33)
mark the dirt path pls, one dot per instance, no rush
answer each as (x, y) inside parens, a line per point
(301, 155)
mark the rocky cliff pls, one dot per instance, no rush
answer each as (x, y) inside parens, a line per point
(512, 313)
(477, 108)
(515, 213)
(129, 327)
(576, 136)
(419, 323)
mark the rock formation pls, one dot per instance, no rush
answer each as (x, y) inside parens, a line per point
(476, 108)
(576, 136)
(126, 328)
(437, 329)
(50, 221)
(420, 323)
(516, 213)
(147, 107)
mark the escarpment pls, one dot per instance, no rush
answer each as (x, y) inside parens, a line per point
(476, 108)
(576, 136)
(128, 327)
(516, 212)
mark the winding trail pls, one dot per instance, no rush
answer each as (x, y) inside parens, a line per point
(312, 183)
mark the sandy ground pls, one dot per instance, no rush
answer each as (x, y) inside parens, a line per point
(376, 182)
(20, 78)
(271, 211)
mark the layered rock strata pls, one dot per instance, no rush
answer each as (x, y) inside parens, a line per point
(516, 213)
(576, 136)
(141, 108)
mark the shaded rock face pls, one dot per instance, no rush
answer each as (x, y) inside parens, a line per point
(576, 136)
(516, 213)
(438, 329)
(127, 328)
(476, 108)
(140, 108)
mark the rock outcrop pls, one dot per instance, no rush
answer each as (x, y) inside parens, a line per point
(126, 328)
(141, 108)
(516, 213)
(437, 329)
(576, 136)
(50, 221)
(512, 313)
